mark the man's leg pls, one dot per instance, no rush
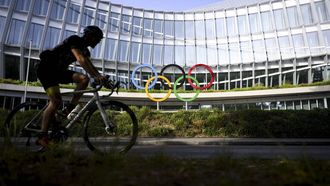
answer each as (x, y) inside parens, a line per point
(81, 81)
(55, 101)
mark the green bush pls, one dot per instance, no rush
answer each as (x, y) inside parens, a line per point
(214, 123)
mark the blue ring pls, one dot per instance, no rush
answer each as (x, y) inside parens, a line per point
(141, 66)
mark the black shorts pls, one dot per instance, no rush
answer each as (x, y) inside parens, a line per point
(50, 76)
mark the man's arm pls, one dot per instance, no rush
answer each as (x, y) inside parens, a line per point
(86, 63)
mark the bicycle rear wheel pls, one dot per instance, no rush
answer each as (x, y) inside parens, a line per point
(22, 125)
(122, 139)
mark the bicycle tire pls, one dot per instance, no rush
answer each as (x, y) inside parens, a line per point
(98, 140)
(15, 134)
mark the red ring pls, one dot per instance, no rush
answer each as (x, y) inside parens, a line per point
(207, 68)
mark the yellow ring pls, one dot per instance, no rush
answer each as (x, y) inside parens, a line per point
(161, 99)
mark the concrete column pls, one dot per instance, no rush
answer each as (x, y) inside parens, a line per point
(310, 77)
(325, 103)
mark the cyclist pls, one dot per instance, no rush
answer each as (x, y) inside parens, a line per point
(53, 70)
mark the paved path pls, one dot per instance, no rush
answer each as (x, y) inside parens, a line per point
(268, 148)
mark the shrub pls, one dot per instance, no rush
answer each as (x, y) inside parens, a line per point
(216, 123)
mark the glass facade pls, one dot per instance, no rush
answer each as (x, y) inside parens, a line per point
(277, 38)
(40, 7)
(34, 35)
(15, 35)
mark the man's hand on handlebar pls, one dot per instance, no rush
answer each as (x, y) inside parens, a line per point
(101, 79)
(106, 82)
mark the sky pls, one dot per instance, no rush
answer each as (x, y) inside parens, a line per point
(165, 5)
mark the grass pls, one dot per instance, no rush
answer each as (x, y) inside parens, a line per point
(214, 123)
(65, 167)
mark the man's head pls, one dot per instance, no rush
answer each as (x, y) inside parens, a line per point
(93, 35)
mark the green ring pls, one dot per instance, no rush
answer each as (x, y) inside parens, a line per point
(188, 99)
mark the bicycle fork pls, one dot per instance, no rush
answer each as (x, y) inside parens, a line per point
(110, 128)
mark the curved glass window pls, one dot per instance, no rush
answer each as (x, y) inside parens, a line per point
(210, 29)
(234, 53)
(285, 47)
(147, 28)
(68, 33)
(267, 23)
(231, 26)
(179, 55)
(40, 7)
(87, 17)
(135, 52)
(58, 9)
(157, 57)
(313, 41)
(293, 16)
(254, 23)
(137, 26)
(212, 55)
(169, 31)
(326, 35)
(114, 22)
(307, 14)
(168, 54)
(110, 49)
(200, 29)
(272, 49)
(34, 35)
(158, 29)
(220, 27)
(125, 24)
(259, 50)
(242, 25)
(101, 17)
(279, 19)
(247, 55)
(73, 13)
(96, 52)
(22, 5)
(299, 45)
(52, 37)
(179, 28)
(201, 54)
(123, 51)
(322, 11)
(190, 29)
(190, 55)
(5, 3)
(223, 54)
(146, 53)
(15, 34)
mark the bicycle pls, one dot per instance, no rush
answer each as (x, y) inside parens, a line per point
(118, 134)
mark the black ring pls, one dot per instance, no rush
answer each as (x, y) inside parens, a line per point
(173, 65)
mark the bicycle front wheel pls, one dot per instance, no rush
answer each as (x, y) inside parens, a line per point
(22, 125)
(124, 136)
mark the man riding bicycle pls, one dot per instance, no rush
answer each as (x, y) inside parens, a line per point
(53, 70)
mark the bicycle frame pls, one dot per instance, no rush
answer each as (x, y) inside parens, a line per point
(95, 99)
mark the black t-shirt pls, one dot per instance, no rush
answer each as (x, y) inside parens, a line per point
(61, 56)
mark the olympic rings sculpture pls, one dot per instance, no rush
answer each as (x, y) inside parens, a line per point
(151, 82)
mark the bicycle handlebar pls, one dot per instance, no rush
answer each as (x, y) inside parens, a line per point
(108, 84)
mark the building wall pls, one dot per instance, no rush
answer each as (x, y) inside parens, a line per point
(269, 43)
